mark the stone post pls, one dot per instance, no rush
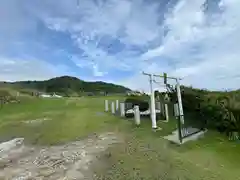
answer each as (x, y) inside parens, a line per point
(166, 112)
(122, 109)
(106, 106)
(113, 107)
(137, 115)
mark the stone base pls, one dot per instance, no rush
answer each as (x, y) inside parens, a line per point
(175, 139)
(156, 129)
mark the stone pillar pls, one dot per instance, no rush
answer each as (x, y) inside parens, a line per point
(106, 106)
(117, 105)
(122, 109)
(113, 107)
(137, 115)
(166, 112)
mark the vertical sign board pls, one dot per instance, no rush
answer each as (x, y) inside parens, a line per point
(176, 110)
(165, 78)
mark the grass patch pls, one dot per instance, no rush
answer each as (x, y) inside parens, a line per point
(144, 154)
(69, 119)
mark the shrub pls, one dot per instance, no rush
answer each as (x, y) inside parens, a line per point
(4, 93)
(133, 101)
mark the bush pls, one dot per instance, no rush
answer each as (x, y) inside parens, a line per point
(4, 93)
(133, 101)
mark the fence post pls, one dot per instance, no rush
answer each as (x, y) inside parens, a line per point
(166, 112)
(117, 105)
(106, 106)
(113, 108)
(137, 115)
(122, 109)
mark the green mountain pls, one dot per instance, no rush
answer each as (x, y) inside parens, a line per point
(67, 85)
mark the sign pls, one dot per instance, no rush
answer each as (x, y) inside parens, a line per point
(165, 78)
(166, 97)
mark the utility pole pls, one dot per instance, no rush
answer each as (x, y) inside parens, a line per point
(153, 110)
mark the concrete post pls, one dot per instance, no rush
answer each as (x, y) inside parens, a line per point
(117, 105)
(113, 107)
(166, 112)
(106, 106)
(122, 109)
(137, 115)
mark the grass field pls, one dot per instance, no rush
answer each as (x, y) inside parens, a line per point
(143, 154)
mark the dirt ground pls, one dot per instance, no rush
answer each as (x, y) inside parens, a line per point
(69, 161)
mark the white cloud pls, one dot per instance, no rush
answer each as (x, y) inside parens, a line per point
(196, 46)
(89, 23)
(184, 24)
(28, 69)
(97, 72)
(217, 54)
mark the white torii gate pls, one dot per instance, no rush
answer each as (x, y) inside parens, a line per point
(153, 110)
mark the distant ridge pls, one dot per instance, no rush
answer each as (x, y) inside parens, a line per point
(69, 85)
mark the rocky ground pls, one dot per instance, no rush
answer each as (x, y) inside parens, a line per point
(69, 161)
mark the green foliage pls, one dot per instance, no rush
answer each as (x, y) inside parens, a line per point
(4, 93)
(138, 101)
(68, 86)
(221, 110)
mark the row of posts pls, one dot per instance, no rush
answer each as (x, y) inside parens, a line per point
(115, 107)
(119, 108)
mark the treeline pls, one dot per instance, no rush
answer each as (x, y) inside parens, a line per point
(220, 110)
(68, 86)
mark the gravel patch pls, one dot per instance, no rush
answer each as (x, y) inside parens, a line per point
(69, 161)
(36, 121)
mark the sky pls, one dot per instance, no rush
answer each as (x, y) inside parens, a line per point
(115, 40)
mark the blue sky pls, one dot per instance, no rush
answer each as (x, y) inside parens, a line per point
(114, 40)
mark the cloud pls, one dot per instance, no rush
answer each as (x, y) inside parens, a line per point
(28, 69)
(97, 72)
(90, 23)
(202, 48)
(184, 27)
(117, 40)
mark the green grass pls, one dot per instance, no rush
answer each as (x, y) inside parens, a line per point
(69, 119)
(143, 154)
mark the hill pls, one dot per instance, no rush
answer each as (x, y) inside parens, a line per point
(67, 85)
